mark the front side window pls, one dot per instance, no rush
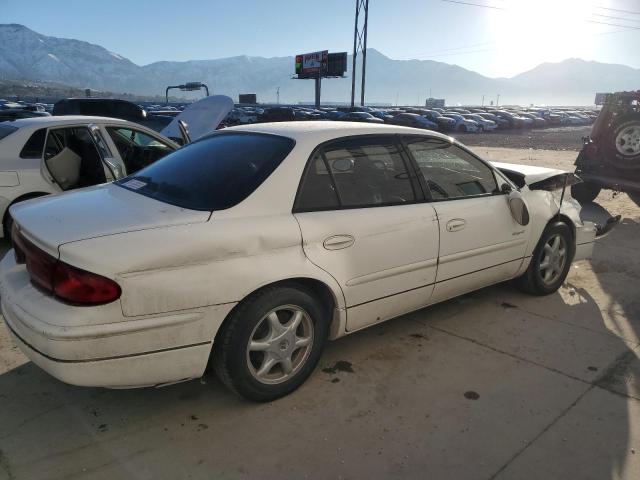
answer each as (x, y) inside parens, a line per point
(214, 173)
(449, 171)
(137, 149)
(360, 172)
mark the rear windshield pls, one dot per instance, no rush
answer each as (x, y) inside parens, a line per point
(6, 130)
(214, 173)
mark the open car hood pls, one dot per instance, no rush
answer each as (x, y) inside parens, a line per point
(537, 178)
(202, 117)
(107, 209)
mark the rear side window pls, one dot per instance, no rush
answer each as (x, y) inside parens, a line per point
(6, 130)
(34, 146)
(214, 173)
(362, 172)
(317, 191)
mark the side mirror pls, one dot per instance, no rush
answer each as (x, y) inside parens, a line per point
(518, 207)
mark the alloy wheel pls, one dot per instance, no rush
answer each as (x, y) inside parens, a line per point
(554, 259)
(280, 344)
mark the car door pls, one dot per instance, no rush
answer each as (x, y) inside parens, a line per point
(72, 158)
(364, 221)
(480, 242)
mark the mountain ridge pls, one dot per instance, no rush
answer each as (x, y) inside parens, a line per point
(26, 54)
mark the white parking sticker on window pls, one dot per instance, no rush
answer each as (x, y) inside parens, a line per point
(134, 184)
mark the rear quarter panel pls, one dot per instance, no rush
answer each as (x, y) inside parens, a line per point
(217, 262)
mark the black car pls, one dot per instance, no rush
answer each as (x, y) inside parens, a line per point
(277, 114)
(360, 117)
(113, 108)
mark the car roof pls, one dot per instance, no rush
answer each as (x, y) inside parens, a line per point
(322, 131)
(62, 120)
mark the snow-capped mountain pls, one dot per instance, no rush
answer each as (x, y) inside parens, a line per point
(25, 54)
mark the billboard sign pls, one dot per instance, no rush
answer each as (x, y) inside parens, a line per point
(600, 98)
(337, 64)
(312, 64)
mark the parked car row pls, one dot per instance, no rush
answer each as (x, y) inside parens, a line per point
(450, 119)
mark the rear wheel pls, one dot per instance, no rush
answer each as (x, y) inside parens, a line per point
(585, 192)
(271, 343)
(550, 262)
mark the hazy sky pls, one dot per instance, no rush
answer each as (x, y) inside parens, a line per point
(504, 38)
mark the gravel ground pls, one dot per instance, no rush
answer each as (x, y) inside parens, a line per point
(560, 138)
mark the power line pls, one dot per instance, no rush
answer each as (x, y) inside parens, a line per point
(616, 18)
(630, 27)
(475, 4)
(619, 10)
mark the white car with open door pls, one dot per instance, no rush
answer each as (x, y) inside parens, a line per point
(248, 248)
(44, 155)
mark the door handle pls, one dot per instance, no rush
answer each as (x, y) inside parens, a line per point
(456, 224)
(337, 242)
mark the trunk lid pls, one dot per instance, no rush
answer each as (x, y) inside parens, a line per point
(202, 117)
(95, 212)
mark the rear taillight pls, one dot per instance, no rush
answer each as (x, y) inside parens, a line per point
(69, 284)
(80, 287)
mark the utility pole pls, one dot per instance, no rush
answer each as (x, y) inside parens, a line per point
(278, 95)
(359, 45)
(318, 81)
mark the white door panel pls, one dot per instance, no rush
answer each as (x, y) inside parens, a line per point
(478, 233)
(472, 281)
(374, 252)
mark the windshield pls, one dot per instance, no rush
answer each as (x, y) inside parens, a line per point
(214, 173)
(6, 130)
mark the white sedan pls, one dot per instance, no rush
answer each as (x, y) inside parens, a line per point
(251, 247)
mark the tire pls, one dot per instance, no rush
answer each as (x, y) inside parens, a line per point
(533, 280)
(585, 192)
(623, 144)
(239, 367)
(7, 224)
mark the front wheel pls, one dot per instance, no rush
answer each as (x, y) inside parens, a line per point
(271, 343)
(550, 262)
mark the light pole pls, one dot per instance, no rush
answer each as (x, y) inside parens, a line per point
(498, 100)
(278, 95)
